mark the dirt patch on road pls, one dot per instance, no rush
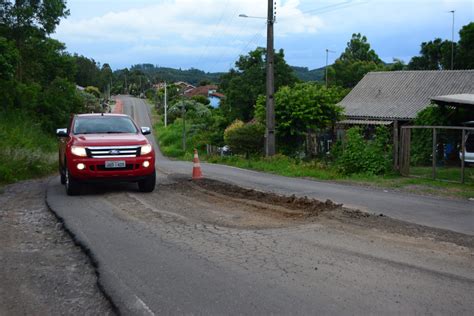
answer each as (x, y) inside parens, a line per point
(212, 202)
(42, 271)
(268, 210)
(292, 206)
(215, 203)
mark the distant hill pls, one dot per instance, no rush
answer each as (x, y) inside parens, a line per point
(303, 73)
(192, 76)
(195, 76)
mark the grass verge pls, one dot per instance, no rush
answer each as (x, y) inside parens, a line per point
(27, 152)
(285, 166)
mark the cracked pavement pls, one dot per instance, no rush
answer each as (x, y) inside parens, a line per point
(189, 249)
(155, 257)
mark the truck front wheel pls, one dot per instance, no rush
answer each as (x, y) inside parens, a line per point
(148, 184)
(72, 186)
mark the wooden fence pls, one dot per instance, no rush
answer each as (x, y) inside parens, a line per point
(405, 147)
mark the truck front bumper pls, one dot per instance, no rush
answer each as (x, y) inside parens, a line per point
(94, 169)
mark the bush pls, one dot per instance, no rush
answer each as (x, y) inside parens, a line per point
(26, 150)
(91, 102)
(93, 90)
(170, 139)
(245, 138)
(365, 156)
(422, 139)
(201, 99)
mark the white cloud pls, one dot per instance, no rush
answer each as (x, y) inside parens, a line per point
(209, 32)
(189, 20)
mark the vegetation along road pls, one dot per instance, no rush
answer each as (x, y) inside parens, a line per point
(213, 247)
(455, 215)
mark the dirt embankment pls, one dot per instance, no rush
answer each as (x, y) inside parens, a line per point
(42, 272)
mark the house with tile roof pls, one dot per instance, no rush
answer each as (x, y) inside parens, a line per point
(398, 96)
(208, 91)
(394, 98)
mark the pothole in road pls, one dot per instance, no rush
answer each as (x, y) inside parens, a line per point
(221, 204)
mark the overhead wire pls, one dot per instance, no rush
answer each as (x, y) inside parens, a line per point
(254, 41)
(204, 52)
(256, 37)
(224, 30)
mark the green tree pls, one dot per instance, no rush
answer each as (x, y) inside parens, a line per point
(299, 110)
(106, 76)
(434, 55)
(358, 49)
(59, 100)
(201, 99)
(465, 56)
(87, 71)
(204, 82)
(8, 59)
(397, 64)
(26, 15)
(356, 60)
(244, 84)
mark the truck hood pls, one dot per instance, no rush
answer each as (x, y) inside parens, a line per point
(109, 140)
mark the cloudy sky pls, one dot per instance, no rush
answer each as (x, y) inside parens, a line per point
(209, 35)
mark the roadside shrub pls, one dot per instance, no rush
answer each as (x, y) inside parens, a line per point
(170, 138)
(201, 99)
(422, 139)
(91, 102)
(235, 124)
(93, 90)
(245, 138)
(365, 156)
(26, 150)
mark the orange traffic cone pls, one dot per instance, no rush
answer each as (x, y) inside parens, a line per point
(197, 173)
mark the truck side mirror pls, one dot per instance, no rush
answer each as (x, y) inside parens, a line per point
(61, 132)
(145, 130)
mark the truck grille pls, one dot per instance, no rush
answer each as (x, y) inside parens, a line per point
(113, 152)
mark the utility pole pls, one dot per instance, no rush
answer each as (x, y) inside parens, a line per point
(270, 104)
(452, 42)
(141, 89)
(166, 106)
(183, 114)
(326, 69)
(126, 86)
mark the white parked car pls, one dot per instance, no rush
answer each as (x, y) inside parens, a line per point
(469, 149)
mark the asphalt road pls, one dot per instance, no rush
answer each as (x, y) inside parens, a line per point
(154, 259)
(455, 215)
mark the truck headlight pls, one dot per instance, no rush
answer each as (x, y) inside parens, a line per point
(146, 149)
(78, 151)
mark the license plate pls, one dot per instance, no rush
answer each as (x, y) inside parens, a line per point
(115, 164)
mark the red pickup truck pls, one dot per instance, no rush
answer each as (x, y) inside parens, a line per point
(104, 148)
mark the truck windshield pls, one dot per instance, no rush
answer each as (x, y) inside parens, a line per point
(104, 125)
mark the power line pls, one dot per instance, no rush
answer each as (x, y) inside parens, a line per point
(256, 37)
(328, 8)
(213, 34)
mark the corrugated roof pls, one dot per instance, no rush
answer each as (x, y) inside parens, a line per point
(364, 122)
(402, 94)
(456, 98)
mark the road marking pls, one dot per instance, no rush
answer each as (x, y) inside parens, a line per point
(139, 304)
